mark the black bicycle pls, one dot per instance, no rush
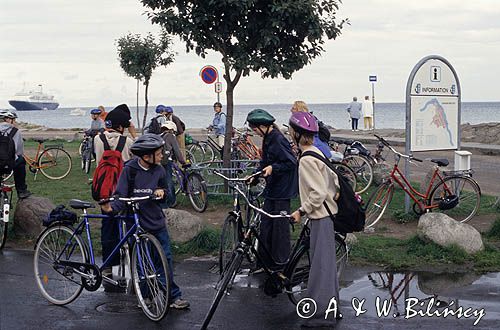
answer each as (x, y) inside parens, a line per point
(5, 202)
(293, 275)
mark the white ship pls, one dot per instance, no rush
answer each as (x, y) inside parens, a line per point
(33, 100)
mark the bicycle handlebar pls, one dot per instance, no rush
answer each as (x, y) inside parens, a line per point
(238, 179)
(409, 157)
(131, 200)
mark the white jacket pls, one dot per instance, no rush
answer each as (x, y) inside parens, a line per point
(367, 108)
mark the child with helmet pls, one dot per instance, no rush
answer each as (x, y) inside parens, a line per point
(144, 176)
(97, 124)
(318, 185)
(279, 167)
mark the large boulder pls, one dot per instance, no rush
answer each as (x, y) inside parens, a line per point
(182, 225)
(29, 215)
(444, 231)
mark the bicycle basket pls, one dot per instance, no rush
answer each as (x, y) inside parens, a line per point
(60, 214)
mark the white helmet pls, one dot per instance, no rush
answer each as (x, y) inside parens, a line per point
(169, 125)
(7, 114)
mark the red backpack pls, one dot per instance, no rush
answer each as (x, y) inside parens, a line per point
(108, 170)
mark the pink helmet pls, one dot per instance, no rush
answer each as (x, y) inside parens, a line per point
(304, 122)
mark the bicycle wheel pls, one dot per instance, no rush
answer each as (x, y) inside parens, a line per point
(341, 253)
(82, 147)
(59, 284)
(299, 276)
(197, 190)
(377, 204)
(55, 163)
(86, 160)
(348, 174)
(229, 239)
(150, 275)
(467, 192)
(227, 277)
(363, 170)
(4, 220)
(202, 153)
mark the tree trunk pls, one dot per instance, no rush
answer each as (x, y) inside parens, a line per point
(229, 124)
(137, 107)
(146, 102)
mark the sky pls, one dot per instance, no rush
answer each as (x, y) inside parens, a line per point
(69, 46)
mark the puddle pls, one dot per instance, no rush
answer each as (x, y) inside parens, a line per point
(394, 295)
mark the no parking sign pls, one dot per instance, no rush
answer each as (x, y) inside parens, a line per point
(209, 74)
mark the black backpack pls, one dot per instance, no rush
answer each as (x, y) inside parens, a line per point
(351, 215)
(324, 132)
(7, 151)
(154, 126)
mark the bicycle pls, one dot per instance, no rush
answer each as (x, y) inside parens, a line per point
(5, 202)
(191, 183)
(86, 151)
(52, 160)
(450, 192)
(355, 156)
(293, 274)
(64, 264)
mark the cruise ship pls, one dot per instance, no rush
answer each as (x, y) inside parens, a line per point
(33, 100)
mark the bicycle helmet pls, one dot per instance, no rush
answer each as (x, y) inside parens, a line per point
(169, 125)
(95, 111)
(147, 144)
(8, 114)
(217, 104)
(160, 108)
(169, 109)
(258, 117)
(303, 122)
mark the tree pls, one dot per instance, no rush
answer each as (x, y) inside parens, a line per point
(139, 57)
(275, 38)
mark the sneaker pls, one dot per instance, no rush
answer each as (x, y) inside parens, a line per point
(24, 194)
(179, 303)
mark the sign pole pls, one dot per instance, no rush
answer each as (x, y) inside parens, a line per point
(373, 103)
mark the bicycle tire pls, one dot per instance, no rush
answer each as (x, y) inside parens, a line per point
(58, 160)
(81, 147)
(150, 277)
(202, 153)
(363, 170)
(347, 173)
(377, 204)
(48, 274)
(468, 198)
(197, 191)
(4, 218)
(226, 278)
(229, 239)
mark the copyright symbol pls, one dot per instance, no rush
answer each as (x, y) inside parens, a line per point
(306, 308)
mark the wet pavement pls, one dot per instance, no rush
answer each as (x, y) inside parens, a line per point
(474, 298)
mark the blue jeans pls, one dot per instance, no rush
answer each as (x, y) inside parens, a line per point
(170, 200)
(164, 239)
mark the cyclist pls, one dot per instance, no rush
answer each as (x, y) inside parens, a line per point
(219, 124)
(181, 127)
(97, 124)
(116, 120)
(6, 126)
(279, 167)
(171, 153)
(317, 186)
(144, 176)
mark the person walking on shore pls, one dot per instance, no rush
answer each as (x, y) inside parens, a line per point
(367, 109)
(354, 110)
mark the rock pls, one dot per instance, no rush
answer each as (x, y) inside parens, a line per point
(381, 171)
(29, 215)
(444, 231)
(182, 225)
(351, 239)
(439, 284)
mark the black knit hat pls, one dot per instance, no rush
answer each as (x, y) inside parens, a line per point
(119, 116)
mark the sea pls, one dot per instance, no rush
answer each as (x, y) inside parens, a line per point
(387, 115)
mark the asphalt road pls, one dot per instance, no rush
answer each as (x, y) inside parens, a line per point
(23, 307)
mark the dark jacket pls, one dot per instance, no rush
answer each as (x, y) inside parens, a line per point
(171, 149)
(145, 183)
(283, 182)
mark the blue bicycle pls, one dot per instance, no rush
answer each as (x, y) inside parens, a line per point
(64, 263)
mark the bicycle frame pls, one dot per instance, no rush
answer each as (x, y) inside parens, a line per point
(181, 177)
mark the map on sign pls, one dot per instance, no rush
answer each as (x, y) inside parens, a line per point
(434, 123)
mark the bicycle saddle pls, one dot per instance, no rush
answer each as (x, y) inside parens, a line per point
(80, 205)
(440, 161)
(40, 140)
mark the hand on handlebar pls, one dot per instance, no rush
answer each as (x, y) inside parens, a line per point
(295, 217)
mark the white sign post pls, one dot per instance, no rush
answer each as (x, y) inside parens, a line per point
(433, 105)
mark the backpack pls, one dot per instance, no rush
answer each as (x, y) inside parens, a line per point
(154, 126)
(324, 132)
(7, 151)
(351, 215)
(108, 170)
